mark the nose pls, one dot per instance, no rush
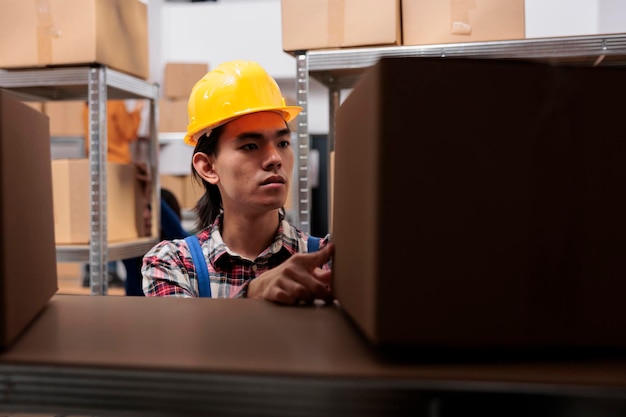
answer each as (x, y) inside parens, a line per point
(273, 159)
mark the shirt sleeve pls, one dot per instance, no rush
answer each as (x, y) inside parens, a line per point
(166, 271)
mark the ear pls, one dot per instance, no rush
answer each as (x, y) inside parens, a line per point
(204, 167)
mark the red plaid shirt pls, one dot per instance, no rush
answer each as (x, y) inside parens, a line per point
(168, 268)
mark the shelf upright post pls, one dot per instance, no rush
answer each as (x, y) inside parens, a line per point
(98, 258)
(154, 160)
(303, 206)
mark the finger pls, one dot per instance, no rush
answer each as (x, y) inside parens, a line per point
(320, 257)
(323, 276)
(290, 293)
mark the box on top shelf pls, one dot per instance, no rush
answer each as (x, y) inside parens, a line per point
(68, 32)
(180, 77)
(322, 24)
(515, 232)
(72, 204)
(27, 250)
(434, 21)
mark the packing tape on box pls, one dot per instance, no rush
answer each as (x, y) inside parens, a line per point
(45, 32)
(460, 16)
(336, 22)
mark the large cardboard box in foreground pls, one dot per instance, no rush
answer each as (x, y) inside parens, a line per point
(321, 24)
(72, 203)
(480, 203)
(27, 251)
(70, 32)
(451, 21)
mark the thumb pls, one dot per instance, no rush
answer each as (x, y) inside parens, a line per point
(321, 256)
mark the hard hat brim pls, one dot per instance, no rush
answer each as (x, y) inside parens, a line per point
(289, 113)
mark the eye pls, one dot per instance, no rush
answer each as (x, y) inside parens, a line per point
(284, 144)
(250, 146)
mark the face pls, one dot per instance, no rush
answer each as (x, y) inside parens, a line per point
(253, 163)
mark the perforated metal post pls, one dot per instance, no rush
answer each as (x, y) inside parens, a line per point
(303, 206)
(97, 100)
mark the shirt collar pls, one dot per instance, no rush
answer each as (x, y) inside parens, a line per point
(285, 239)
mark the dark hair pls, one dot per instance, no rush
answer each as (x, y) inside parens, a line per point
(209, 205)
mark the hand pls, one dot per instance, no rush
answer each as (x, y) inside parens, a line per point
(298, 279)
(139, 106)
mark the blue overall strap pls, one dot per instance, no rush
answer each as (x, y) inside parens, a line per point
(202, 271)
(313, 244)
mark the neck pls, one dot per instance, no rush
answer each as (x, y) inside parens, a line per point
(249, 235)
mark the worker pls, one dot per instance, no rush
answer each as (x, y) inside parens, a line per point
(243, 157)
(122, 126)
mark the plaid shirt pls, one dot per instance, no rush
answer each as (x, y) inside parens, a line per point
(168, 268)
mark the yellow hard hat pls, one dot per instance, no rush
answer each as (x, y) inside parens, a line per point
(233, 89)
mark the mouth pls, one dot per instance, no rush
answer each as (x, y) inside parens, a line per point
(274, 179)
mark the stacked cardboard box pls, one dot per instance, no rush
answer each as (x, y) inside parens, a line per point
(69, 32)
(184, 187)
(72, 203)
(434, 21)
(178, 80)
(323, 24)
(66, 118)
(353, 23)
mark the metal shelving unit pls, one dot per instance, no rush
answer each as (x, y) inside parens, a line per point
(340, 69)
(94, 84)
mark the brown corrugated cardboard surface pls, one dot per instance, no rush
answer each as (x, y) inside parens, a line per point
(173, 115)
(180, 77)
(66, 118)
(62, 32)
(116, 335)
(339, 23)
(27, 251)
(480, 203)
(72, 204)
(451, 21)
(184, 187)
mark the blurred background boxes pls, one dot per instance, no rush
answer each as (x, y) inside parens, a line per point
(180, 77)
(66, 118)
(320, 24)
(27, 250)
(173, 115)
(72, 204)
(69, 32)
(184, 187)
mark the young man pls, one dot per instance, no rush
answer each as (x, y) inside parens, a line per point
(243, 157)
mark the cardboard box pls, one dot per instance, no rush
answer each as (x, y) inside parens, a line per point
(479, 203)
(180, 77)
(184, 187)
(66, 118)
(434, 21)
(173, 115)
(27, 251)
(69, 32)
(72, 204)
(321, 24)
